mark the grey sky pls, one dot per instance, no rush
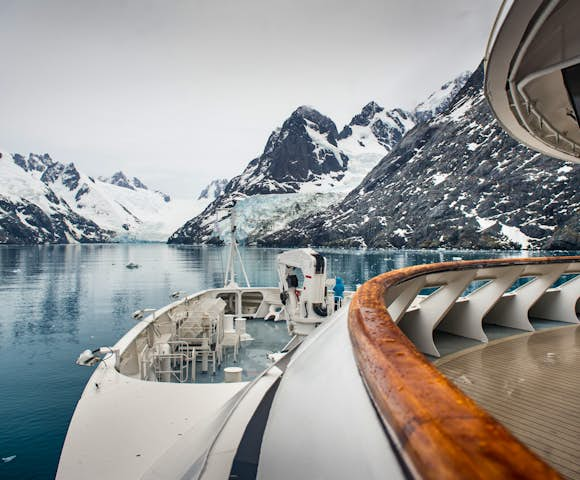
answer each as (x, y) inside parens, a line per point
(179, 92)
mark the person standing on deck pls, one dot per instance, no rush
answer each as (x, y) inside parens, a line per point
(338, 292)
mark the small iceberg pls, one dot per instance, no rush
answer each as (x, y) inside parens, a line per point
(132, 265)
(8, 459)
(457, 258)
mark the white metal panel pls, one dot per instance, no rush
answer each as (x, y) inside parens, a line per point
(322, 423)
(400, 297)
(122, 426)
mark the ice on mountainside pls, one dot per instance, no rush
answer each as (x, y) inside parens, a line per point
(259, 215)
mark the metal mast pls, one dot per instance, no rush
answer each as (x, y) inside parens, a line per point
(230, 276)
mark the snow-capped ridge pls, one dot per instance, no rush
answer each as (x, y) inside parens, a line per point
(213, 189)
(121, 180)
(65, 205)
(440, 99)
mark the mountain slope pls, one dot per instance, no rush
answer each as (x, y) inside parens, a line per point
(32, 213)
(117, 208)
(306, 157)
(457, 180)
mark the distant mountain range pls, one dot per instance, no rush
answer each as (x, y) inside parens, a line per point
(45, 201)
(444, 175)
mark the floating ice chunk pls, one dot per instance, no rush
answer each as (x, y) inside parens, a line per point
(8, 459)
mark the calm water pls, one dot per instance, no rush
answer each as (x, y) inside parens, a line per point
(58, 300)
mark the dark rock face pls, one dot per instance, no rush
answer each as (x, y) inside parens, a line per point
(139, 184)
(456, 181)
(121, 180)
(302, 150)
(52, 173)
(26, 223)
(33, 162)
(71, 177)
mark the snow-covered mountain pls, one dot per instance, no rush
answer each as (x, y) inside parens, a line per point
(305, 156)
(458, 181)
(440, 99)
(121, 180)
(302, 151)
(31, 212)
(304, 167)
(213, 190)
(117, 208)
(368, 137)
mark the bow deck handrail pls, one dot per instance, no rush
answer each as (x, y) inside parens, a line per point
(439, 432)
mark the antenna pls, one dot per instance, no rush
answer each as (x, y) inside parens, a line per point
(230, 276)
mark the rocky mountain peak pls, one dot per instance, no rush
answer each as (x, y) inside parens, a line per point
(302, 150)
(214, 189)
(70, 176)
(34, 162)
(367, 114)
(305, 116)
(386, 126)
(121, 180)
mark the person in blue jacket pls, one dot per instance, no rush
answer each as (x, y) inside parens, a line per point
(338, 292)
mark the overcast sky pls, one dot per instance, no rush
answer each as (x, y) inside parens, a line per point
(180, 92)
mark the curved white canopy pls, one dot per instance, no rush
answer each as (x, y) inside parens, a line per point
(530, 60)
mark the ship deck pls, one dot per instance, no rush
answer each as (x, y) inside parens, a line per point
(530, 383)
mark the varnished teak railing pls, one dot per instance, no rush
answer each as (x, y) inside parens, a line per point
(439, 431)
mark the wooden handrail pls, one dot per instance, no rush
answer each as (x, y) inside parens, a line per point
(439, 431)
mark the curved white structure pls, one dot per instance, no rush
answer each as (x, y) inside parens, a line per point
(532, 74)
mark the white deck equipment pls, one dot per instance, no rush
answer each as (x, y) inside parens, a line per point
(307, 307)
